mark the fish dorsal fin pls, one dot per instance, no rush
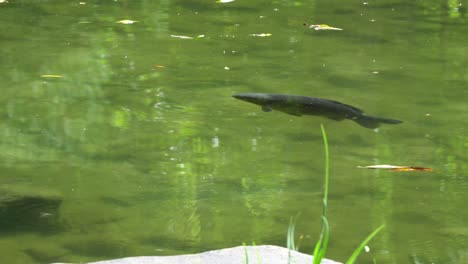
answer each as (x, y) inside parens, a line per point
(350, 106)
(266, 108)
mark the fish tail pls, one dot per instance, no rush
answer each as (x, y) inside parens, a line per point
(374, 121)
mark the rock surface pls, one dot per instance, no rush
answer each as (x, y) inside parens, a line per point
(235, 255)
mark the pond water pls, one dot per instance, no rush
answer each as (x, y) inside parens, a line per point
(133, 126)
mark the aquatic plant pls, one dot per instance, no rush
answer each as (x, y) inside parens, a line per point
(321, 245)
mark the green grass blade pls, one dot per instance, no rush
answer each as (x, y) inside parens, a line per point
(316, 253)
(325, 191)
(290, 237)
(325, 238)
(321, 245)
(259, 260)
(246, 254)
(358, 250)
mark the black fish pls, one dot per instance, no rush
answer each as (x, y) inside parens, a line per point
(303, 105)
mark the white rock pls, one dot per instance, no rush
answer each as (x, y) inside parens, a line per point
(235, 255)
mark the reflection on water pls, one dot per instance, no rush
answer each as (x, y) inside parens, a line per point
(141, 150)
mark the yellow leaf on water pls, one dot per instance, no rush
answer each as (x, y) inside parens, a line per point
(262, 35)
(187, 37)
(181, 37)
(321, 27)
(126, 22)
(51, 76)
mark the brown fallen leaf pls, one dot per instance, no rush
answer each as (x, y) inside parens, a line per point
(410, 168)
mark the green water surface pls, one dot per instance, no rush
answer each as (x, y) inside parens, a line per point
(137, 131)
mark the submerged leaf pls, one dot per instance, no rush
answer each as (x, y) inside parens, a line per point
(395, 168)
(51, 76)
(322, 27)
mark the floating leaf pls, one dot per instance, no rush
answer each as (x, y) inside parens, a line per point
(411, 168)
(181, 37)
(383, 167)
(395, 168)
(51, 76)
(3, 1)
(262, 35)
(321, 27)
(158, 66)
(187, 37)
(126, 22)
(224, 1)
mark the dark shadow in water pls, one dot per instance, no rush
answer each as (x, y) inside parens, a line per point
(100, 247)
(115, 201)
(47, 254)
(416, 218)
(30, 214)
(303, 137)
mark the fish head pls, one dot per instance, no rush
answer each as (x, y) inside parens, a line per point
(255, 98)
